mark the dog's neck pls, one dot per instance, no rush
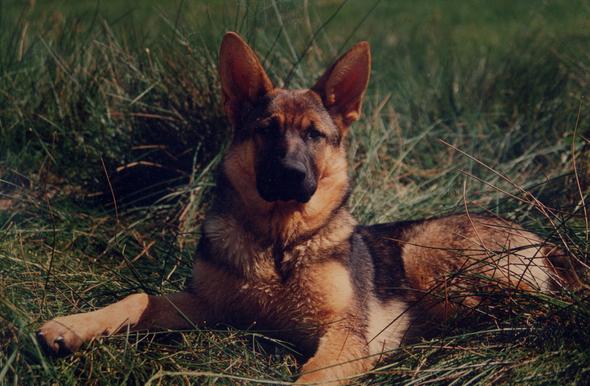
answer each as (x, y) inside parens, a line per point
(255, 237)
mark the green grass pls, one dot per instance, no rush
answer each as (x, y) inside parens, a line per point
(472, 104)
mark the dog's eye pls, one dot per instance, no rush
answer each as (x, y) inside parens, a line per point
(269, 131)
(314, 134)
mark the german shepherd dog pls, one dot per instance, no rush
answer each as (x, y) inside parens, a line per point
(280, 250)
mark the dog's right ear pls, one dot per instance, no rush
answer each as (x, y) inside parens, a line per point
(243, 80)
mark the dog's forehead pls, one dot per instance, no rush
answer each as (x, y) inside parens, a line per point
(293, 106)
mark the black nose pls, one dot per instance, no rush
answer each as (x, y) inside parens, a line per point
(293, 171)
(285, 179)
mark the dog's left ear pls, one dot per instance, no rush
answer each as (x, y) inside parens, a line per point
(342, 87)
(243, 80)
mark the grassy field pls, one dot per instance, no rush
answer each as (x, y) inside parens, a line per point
(111, 128)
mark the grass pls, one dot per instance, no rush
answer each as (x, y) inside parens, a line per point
(472, 104)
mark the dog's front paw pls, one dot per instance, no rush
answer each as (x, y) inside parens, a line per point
(64, 335)
(326, 376)
(319, 378)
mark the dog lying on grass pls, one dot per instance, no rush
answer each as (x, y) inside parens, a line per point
(280, 250)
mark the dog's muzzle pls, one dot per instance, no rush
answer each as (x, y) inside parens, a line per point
(286, 180)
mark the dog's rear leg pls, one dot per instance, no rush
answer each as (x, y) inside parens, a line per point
(66, 334)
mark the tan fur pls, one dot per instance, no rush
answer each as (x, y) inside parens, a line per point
(340, 356)
(137, 312)
(387, 324)
(301, 269)
(460, 254)
(333, 282)
(315, 300)
(239, 248)
(286, 221)
(342, 87)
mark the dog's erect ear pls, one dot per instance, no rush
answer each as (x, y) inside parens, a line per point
(342, 87)
(243, 80)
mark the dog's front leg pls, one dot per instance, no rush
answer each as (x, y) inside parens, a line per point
(341, 354)
(66, 334)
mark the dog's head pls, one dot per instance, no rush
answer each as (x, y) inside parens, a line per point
(287, 146)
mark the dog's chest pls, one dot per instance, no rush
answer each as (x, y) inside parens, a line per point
(272, 304)
(301, 304)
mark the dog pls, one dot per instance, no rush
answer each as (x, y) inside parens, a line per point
(280, 250)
